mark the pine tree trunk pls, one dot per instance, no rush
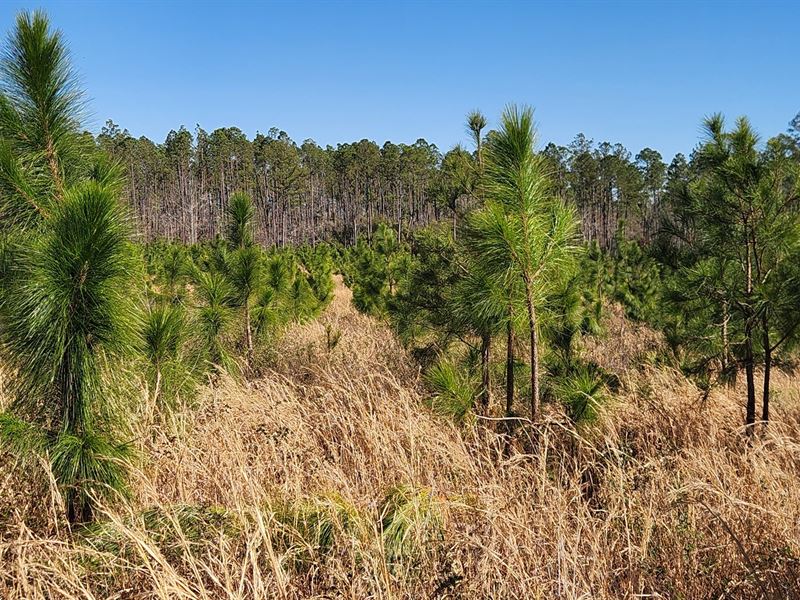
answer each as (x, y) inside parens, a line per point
(750, 411)
(534, 339)
(726, 348)
(78, 510)
(399, 220)
(509, 367)
(72, 516)
(248, 333)
(767, 371)
(486, 341)
(157, 388)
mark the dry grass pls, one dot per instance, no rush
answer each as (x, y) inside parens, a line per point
(328, 479)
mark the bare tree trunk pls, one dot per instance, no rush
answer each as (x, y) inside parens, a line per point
(399, 220)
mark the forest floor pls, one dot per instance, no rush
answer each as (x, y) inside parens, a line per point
(329, 477)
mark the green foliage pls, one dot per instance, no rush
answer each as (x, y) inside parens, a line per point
(318, 261)
(422, 306)
(67, 303)
(582, 390)
(525, 231)
(244, 273)
(171, 371)
(236, 299)
(525, 236)
(635, 281)
(566, 316)
(279, 273)
(164, 332)
(243, 268)
(722, 282)
(332, 336)
(375, 270)
(456, 181)
(89, 466)
(42, 151)
(300, 298)
(454, 390)
(737, 248)
(513, 257)
(411, 519)
(67, 318)
(368, 280)
(172, 272)
(215, 313)
(240, 220)
(21, 437)
(268, 314)
(312, 526)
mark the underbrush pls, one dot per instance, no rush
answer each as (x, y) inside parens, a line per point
(328, 477)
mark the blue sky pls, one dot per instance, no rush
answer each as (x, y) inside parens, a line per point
(639, 73)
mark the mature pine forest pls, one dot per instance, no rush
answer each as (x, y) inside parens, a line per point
(251, 369)
(305, 193)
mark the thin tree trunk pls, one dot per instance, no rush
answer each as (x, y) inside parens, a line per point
(750, 416)
(726, 348)
(534, 337)
(71, 508)
(399, 220)
(248, 333)
(78, 510)
(750, 411)
(157, 388)
(486, 341)
(509, 367)
(507, 424)
(767, 370)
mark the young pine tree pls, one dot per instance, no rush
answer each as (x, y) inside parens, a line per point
(66, 312)
(244, 270)
(217, 302)
(745, 247)
(524, 235)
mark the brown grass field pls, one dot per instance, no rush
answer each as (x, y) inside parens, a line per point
(329, 478)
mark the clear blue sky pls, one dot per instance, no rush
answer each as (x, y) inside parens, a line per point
(639, 73)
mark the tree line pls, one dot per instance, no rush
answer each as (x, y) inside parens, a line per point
(305, 193)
